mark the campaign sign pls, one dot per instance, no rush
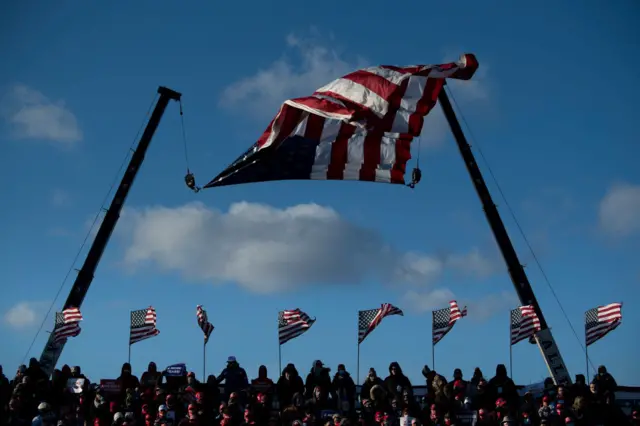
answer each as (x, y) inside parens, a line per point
(75, 385)
(176, 370)
(110, 386)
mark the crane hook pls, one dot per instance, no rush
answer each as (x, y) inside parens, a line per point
(190, 180)
(416, 175)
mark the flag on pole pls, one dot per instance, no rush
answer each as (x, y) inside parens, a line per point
(524, 323)
(143, 325)
(203, 322)
(67, 324)
(293, 323)
(370, 319)
(445, 319)
(600, 321)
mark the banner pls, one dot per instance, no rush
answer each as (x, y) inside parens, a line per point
(176, 370)
(110, 386)
(75, 385)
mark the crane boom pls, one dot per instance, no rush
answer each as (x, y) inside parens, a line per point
(52, 350)
(544, 338)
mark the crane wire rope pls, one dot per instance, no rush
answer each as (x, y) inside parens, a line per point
(93, 224)
(545, 277)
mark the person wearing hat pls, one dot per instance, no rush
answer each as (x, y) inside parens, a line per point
(318, 377)
(234, 377)
(370, 381)
(345, 390)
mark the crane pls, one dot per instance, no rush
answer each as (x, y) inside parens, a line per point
(544, 339)
(53, 350)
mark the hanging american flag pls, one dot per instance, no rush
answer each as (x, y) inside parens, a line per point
(358, 127)
(524, 323)
(368, 320)
(445, 319)
(67, 324)
(203, 322)
(598, 322)
(293, 323)
(143, 325)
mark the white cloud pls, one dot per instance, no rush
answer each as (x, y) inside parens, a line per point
(32, 115)
(313, 66)
(426, 301)
(266, 249)
(310, 65)
(619, 210)
(60, 198)
(492, 304)
(479, 309)
(24, 315)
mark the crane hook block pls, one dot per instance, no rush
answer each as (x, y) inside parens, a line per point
(416, 175)
(190, 180)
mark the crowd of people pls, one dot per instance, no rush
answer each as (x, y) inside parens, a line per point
(318, 399)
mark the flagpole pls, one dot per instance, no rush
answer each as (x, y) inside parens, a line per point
(586, 354)
(433, 355)
(129, 359)
(279, 357)
(510, 348)
(204, 361)
(358, 366)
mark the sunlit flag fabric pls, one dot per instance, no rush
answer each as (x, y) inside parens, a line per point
(600, 321)
(524, 323)
(67, 324)
(358, 127)
(143, 325)
(370, 319)
(203, 322)
(293, 323)
(445, 319)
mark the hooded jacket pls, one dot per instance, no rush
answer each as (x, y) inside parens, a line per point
(262, 384)
(396, 383)
(286, 388)
(503, 387)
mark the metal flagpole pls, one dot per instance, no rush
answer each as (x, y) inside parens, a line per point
(129, 359)
(433, 355)
(358, 367)
(204, 361)
(279, 357)
(510, 348)
(586, 354)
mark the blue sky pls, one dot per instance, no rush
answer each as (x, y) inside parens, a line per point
(553, 108)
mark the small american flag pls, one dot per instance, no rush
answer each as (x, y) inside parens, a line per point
(67, 324)
(524, 323)
(203, 322)
(445, 319)
(358, 127)
(368, 320)
(598, 322)
(143, 325)
(293, 323)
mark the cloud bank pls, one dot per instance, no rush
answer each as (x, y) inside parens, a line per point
(31, 115)
(265, 249)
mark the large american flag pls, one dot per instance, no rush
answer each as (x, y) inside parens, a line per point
(67, 324)
(143, 325)
(524, 323)
(598, 322)
(358, 127)
(445, 319)
(292, 323)
(203, 322)
(368, 320)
